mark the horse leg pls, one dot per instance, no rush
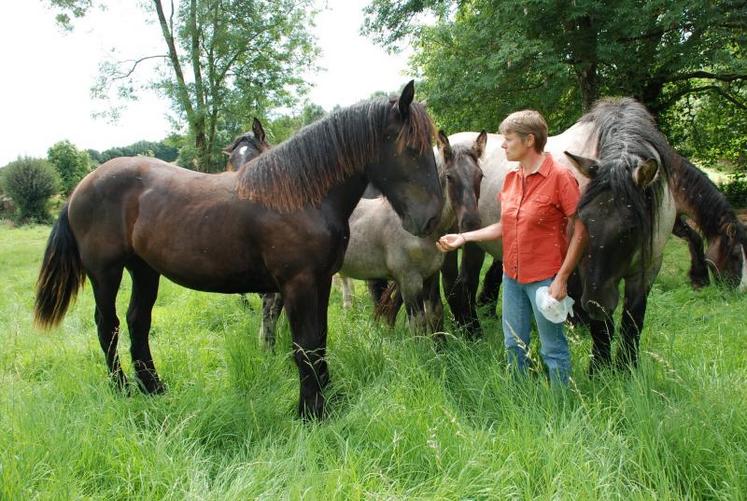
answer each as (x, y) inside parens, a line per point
(376, 289)
(105, 285)
(347, 292)
(631, 324)
(272, 305)
(469, 278)
(601, 338)
(698, 267)
(412, 289)
(144, 292)
(434, 308)
(306, 300)
(491, 286)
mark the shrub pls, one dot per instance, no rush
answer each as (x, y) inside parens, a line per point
(735, 190)
(71, 164)
(30, 182)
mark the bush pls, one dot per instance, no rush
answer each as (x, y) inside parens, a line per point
(71, 164)
(735, 190)
(30, 182)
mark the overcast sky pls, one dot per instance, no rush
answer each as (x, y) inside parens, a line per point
(47, 74)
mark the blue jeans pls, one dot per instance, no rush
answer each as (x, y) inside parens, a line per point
(519, 305)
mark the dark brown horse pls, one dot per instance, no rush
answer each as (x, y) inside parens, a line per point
(246, 147)
(278, 224)
(698, 198)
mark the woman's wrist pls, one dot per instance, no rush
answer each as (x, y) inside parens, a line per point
(464, 237)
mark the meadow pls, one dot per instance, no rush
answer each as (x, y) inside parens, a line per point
(408, 418)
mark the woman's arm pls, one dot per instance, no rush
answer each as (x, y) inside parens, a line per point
(453, 241)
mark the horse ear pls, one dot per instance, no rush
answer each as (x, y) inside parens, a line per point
(480, 142)
(259, 131)
(405, 99)
(646, 173)
(588, 167)
(445, 146)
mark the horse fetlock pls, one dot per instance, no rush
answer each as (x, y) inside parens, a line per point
(147, 378)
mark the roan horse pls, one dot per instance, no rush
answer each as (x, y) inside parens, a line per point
(380, 248)
(623, 165)
(288, 211)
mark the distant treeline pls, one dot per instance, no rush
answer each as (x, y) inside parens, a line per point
(147, 148)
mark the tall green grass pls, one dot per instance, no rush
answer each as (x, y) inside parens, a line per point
(408, 418)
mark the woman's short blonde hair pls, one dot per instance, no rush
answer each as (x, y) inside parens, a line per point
(525, 122)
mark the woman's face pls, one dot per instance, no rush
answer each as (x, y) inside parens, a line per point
(516, 147)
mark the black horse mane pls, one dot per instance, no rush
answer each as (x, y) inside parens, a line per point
(301, 170)
(714, 215)
(627, 135)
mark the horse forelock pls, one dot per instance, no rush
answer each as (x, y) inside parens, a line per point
(301, 170)
(626, 136)
(418, 131)
(247, 137)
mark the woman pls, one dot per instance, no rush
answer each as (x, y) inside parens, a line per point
(538, 203)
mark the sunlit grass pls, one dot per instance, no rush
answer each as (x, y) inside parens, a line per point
(408, 418)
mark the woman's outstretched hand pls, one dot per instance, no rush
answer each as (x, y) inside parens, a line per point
(450, 242)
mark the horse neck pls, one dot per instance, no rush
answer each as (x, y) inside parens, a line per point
(446, 220)
(696, 196)
(343, 197)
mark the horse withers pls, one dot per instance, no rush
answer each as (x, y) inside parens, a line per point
(278, 224)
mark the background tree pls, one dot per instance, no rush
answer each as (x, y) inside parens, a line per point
(284, 126)
(70, 163)
(30, 182)
(481, 59)
(227, 61)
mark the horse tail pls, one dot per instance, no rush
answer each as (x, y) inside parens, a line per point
(389, 304)
(60, 277)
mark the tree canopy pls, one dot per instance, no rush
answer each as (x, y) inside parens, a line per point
(226, 61)
(481, 59)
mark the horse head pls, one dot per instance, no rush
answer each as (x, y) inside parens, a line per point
(727, 255)
(405, 171)
(462, 176)
(616, 209)
(246, 147)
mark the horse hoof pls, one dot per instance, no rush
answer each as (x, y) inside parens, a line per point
(150, 385)
(120, 383)
(313, 410)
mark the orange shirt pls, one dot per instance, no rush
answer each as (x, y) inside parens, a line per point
(534, 212)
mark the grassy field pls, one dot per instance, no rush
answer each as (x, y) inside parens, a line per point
(408, 419)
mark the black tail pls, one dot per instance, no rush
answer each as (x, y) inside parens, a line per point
(60, 277)
(389, 304)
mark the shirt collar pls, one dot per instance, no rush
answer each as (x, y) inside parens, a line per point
(545, 165)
